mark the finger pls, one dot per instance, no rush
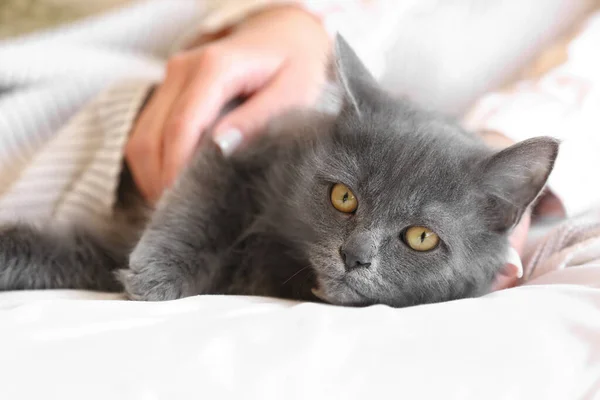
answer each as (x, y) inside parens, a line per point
(518, 237)
(144, 149)
(283, 93)
(504, 281)
(549, 205)
(218, 80)
(196, 107)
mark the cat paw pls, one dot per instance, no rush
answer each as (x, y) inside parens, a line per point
(154, 283)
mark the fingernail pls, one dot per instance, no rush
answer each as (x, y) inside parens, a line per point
(515, 260)
(228, 141)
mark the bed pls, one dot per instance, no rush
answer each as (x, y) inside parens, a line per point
(540, 340)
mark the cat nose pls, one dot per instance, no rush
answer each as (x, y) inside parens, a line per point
(355, 258)
(359, 250)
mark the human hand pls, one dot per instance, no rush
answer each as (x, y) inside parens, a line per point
(276, 59)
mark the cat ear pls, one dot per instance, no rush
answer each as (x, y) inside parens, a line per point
(514, 177)
(358, 84)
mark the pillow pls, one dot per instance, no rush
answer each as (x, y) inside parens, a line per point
(448, 53)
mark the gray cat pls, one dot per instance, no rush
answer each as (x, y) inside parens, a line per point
(380, 203)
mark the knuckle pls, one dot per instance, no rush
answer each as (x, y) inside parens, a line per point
(132, 148)
(211, 57)
(137, 148)
(177, 63)
(176, 126)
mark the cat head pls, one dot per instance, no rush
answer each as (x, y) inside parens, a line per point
(397, 205)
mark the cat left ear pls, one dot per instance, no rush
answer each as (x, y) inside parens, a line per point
(359, 86)
(514, 177)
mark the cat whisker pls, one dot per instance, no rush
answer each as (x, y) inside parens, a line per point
(293, 275)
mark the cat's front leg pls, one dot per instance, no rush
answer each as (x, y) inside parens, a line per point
(179, 253)
(157, 273)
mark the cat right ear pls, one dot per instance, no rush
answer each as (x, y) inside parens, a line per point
(359, 86)
(514, 177)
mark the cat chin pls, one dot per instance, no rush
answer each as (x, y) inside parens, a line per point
(339, 293)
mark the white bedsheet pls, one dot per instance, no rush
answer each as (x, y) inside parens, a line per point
(540, 341)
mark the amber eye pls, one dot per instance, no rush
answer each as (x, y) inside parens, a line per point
(420, 238)
(343, 199)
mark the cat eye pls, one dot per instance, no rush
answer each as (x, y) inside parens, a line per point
(343, 199)
(420, 238)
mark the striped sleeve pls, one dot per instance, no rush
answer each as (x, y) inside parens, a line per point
(76, 173)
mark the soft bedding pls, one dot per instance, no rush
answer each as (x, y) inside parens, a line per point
(539, 341)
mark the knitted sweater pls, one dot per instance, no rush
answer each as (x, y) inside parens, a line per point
(69, 97)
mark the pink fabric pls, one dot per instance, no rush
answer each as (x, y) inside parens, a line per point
(574, 243)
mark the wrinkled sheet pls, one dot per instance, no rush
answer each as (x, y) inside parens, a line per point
(538, 341)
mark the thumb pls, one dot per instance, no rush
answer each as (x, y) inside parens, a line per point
(252, 116)
(511, 273)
